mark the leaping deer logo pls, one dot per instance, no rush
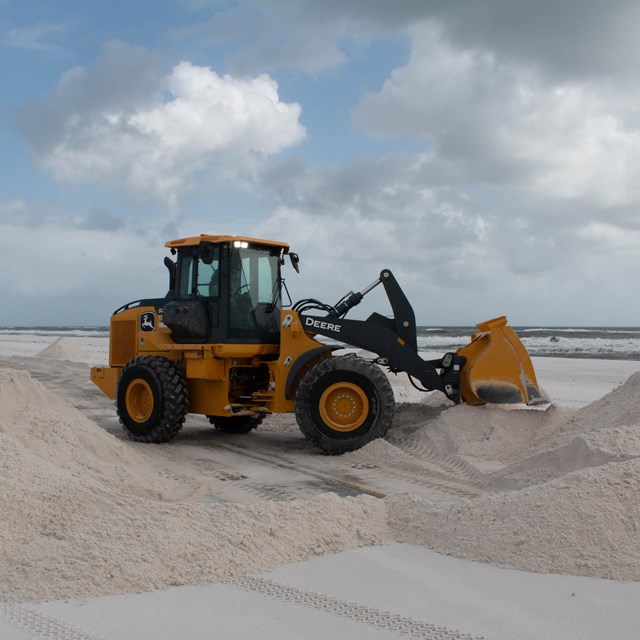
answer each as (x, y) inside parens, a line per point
(147, 322)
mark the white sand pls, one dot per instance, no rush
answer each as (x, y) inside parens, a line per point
(86, 514)
(573, 480)
(86, 349)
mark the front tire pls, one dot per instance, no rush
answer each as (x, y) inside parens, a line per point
(151, 399)
(344, 403)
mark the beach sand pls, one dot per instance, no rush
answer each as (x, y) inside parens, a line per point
(478, 521)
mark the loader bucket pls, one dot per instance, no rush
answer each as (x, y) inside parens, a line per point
(498, 367)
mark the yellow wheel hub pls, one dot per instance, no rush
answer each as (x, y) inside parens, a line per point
(344, 406)
(139, 400)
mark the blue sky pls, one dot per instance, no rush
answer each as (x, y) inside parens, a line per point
(484, 151)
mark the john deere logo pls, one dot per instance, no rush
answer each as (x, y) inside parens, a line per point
(148, 322)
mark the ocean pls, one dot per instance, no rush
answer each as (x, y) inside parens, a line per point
(612, 343)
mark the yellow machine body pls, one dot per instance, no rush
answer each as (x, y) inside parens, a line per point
(208, 367)
(221, 345)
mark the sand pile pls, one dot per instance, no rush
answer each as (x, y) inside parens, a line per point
(607, 430)
(40, 426)
(483, 434)
(579, 512)
(84, 515)
(585, 523)
(65, 349)
(619, 407)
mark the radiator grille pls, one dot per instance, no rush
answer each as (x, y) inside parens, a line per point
(122, 344)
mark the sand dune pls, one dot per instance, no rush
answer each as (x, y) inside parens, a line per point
(87, 513)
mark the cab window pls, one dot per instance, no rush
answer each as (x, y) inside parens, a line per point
(197, 278)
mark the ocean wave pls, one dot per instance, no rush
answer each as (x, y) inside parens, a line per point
(560, 346)
(78, 332)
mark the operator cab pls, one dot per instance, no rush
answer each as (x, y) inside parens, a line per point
(225, 289)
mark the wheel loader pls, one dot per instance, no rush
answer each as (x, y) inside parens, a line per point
(223, 343)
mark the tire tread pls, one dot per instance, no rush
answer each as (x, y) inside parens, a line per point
(352, 364)
(174, 401)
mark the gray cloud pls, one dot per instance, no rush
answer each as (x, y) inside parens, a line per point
(123, 79)
(578, 39)
(102, 220)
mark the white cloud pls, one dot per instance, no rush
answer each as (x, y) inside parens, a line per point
(495, 122)
(151, 137)
(465, 280)
(606, 238)
(461, 254)
(210, 113)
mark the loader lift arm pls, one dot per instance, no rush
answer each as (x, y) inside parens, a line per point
(393, 339)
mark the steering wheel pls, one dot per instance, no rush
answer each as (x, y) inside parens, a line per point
(240, 293)
(242, 308)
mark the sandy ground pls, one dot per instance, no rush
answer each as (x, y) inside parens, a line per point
(463, 522)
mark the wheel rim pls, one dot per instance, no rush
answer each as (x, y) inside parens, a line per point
(344, 406)
(139, 400)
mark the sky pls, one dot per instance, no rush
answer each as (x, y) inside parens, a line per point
(486, 151)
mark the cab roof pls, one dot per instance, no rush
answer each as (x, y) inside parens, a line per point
(194, 241)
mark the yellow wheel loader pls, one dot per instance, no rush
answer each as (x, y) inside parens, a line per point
(221, 344)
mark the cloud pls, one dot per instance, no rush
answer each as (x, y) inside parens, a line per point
(102, 219)
(33, 37)
(461, 254)
(377, 213)
(64, 268)
(258, 38)
(495, 122)
(572, 40)
(301, 34)
(13, 211)
(121, 125)
(520, 195)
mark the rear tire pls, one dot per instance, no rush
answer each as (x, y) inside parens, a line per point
(235, 424)
(151, 399)
(344, 403)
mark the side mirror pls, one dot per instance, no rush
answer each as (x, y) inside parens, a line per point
(206, 252)
(295, 261)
